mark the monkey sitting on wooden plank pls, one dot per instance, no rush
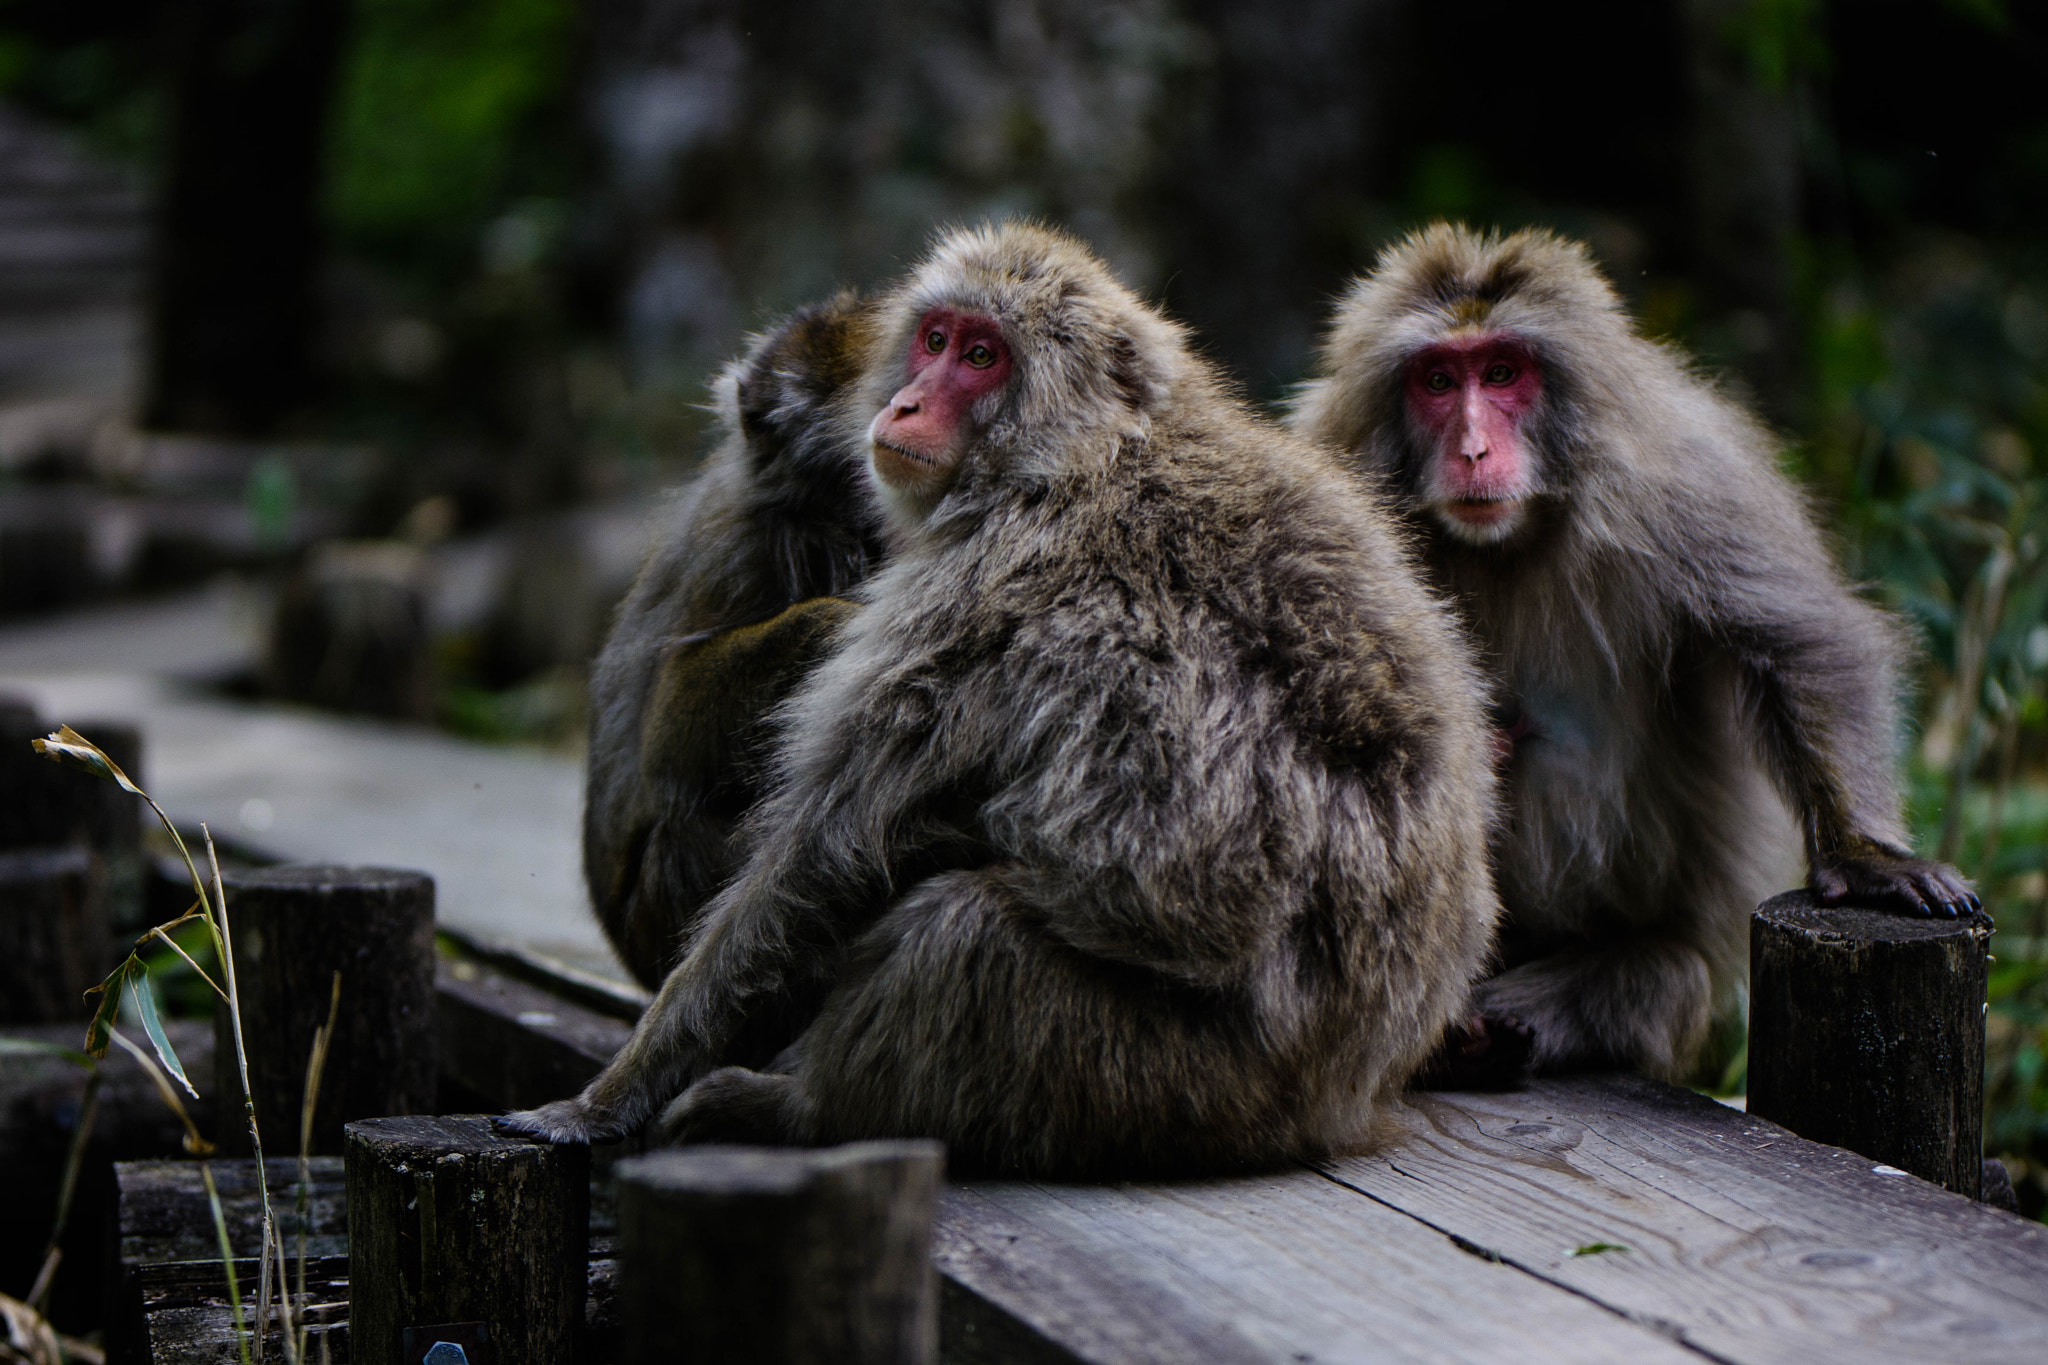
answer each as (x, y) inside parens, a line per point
(739, 597)
(1137, 823)
(1688, 690)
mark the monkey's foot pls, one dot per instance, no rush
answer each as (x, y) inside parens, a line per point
(732, 1105)
(1479, 1052)
(564, 1121)
(1904, 886)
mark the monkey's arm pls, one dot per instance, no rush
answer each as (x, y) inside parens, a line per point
(1818, 665)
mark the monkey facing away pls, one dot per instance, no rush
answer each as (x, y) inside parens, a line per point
(1137, 822)
(1676, 659)
(739, 597)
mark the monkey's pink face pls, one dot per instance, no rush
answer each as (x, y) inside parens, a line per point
(917, 440)
(1470, 399)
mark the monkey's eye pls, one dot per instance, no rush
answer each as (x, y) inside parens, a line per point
(1499, 374)
(1438, 382)
(935, 341)
(980, 356)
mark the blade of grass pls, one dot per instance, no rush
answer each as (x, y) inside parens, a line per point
(194, 1143)
(315, 1065)
(227, 1260)
(144, 1000)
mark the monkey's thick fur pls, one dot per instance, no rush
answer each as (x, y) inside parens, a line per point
(1668, 637)
(1137, 823)
(739, 597)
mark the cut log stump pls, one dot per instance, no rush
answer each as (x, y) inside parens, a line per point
(457, 1234)
(781, 1256)
(1866, 1031)
(294, 927)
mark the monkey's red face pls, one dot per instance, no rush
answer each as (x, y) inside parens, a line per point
(955, 358)
(1469, 399)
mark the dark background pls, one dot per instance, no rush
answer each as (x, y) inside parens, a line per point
(433, 269)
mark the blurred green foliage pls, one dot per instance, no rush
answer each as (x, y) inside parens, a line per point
(1929, 414)
(446, 112)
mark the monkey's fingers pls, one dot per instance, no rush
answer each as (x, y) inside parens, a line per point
(1900, 885)
(564, 1121)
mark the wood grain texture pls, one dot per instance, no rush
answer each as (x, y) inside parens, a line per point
(450, 1221)
(1743, 1240)
(1866, 1031)
(1280, 1268)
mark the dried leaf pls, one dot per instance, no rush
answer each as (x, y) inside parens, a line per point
(66, 745)
(101, 1029)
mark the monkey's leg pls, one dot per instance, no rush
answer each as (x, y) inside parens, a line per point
(1642, 1003)
(964, 1018)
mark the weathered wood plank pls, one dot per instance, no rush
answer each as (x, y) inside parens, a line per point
(1743, 1240)
(513, 1045)
(164, 1220)
(1280, 1268)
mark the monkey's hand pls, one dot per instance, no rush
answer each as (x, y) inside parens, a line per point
(1904, 886)
(1479, 1052)
(564, 1121)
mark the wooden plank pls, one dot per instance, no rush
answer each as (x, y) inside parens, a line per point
(1281, 1268)
(514, 1045)
(1744, 1241)
(184, 1304)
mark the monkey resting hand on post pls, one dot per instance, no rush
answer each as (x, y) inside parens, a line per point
(1135, 824)
(740, 596)
(1676, 658)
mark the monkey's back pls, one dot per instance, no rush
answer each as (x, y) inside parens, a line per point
(1205, 730)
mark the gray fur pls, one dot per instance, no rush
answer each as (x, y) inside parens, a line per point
(1135, 826)
(1702, 681)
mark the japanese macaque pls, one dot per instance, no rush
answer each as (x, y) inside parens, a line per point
(740, 596)
(1137, 822)
(1686, 689)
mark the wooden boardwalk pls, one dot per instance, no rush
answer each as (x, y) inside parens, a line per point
(1594, 1219)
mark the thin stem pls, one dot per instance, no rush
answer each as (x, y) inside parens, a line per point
(88, 1110)
(172, 944)
(227, 941)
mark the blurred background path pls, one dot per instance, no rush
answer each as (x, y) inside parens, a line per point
(496, 825)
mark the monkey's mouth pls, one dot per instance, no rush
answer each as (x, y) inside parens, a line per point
(1482, 511)
(927, 461)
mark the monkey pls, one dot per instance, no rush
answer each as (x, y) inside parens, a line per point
(1136, 822)
(740, 595)
(1689, 695)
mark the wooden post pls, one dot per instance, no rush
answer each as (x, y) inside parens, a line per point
(294, 927)
(1866, 1031)
(53, 934)
(786, 1257)
(459, 1234)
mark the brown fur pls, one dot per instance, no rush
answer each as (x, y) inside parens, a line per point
(1671, 623)
(1134, 826)
(740, 596)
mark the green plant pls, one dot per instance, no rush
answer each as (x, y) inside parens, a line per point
(130, 983)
